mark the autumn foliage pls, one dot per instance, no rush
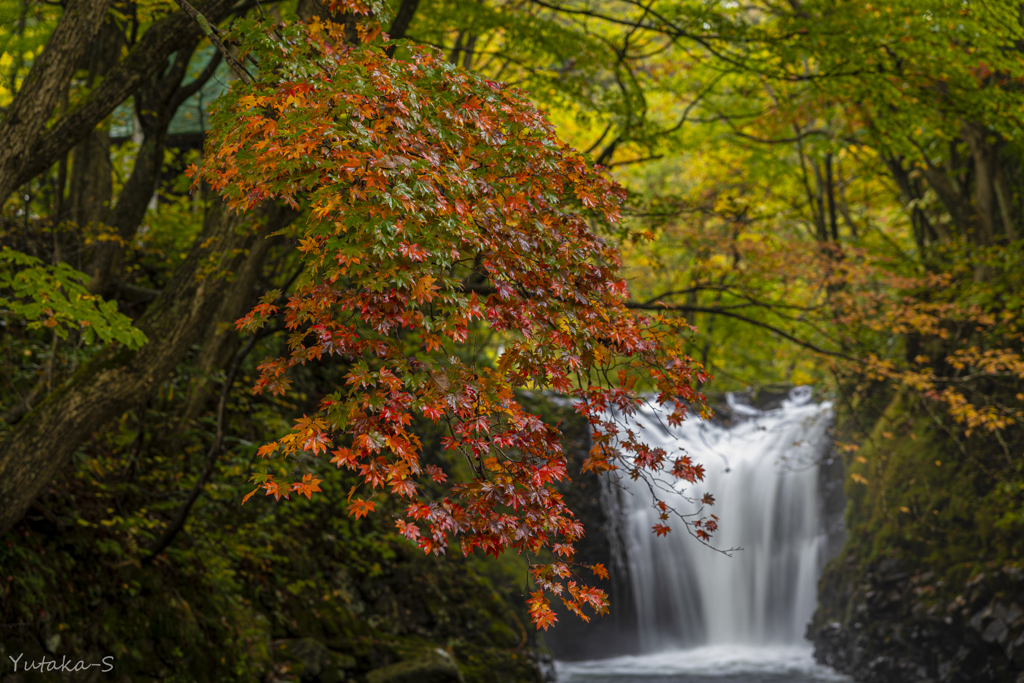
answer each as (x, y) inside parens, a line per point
(437, 202)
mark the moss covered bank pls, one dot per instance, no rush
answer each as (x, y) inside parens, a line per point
(930, 584)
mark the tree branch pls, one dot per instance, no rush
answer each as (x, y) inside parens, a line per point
(211, 456)
(147, 58)
(737, 316)
(211, 33)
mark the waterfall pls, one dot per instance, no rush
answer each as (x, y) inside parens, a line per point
(763, 471)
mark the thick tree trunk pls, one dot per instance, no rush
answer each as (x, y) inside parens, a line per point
(92, 174)
(28, 150)
(984, 193)
(41, 443)
(221, 339)
(46, 83)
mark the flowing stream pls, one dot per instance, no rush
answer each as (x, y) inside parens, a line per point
(701, 614)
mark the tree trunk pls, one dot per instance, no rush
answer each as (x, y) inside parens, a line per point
(984, 181)
(155, 104)
(28, 149)
(41, 443)
(92, 174)
(47, 82)
(221, 338)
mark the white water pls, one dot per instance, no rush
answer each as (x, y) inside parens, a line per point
(710, 663)
(743, 617)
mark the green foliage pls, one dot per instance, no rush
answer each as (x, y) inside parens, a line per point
(54, 297)
(939, 504)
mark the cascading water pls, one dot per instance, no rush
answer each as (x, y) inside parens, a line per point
(703, 615)
(763, 474)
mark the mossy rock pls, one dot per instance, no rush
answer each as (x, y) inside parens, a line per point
(436, 666)
(312, 662)
(494, 665)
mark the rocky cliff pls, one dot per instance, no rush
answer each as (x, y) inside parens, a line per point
(929, 586)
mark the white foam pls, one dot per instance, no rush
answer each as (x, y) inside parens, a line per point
(709, 661)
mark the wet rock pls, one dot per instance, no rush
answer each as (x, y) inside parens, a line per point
(995, 632)
(884, 629)
(436, 666)
(546, 664)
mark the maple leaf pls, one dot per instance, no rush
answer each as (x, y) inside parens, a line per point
(360, 508)
(423, 290)
(409, 530)
(540, 610)
(308, 486)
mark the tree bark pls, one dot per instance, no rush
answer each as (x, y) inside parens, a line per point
(92, 174)
(42, 442)
(155, 104)
(984, 183)
(33, 150)
(45, 85)
(221, 340)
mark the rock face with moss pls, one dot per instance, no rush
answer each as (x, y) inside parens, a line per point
(930, 586)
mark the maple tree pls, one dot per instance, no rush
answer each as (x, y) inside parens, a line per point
(436, 200)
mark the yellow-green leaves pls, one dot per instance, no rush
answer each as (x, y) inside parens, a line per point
(53, 296)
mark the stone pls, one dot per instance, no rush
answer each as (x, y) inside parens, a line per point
(436, 666)
(995, 632)
(313, 662)
(977, 622)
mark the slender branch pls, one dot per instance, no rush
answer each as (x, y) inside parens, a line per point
(211, 456)
(211, 33)
(487, 289)
(729, 314)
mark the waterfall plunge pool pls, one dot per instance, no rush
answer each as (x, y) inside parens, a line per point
(708, 664)
(703, 617)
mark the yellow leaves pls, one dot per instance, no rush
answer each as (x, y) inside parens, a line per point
(307, 246)
(858, 478)
(861, 459)
(321, 211)
(249, 102)
(424, 289)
